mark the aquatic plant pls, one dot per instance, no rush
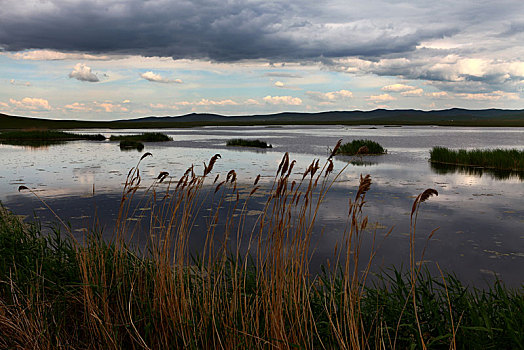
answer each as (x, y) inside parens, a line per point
(361, 147)
(37, 138)
(127, 145)
(505, 159)
(144, 137)
(247, 143)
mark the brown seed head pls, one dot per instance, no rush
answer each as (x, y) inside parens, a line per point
(335, 150)
(362, 150)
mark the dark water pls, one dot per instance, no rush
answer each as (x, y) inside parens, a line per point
(479, 214)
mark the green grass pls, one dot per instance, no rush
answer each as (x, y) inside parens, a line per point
(352, 148)
(145, 137)
(247, 143)
(504, 159)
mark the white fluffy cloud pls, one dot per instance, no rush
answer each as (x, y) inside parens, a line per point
(206, 102)
(110, 107)
(157, 78)
(31, 104)
(381, 98)
(283, 100)
(398, 88)
(51, 55)
(79, 107)
(414, 92)
(450, 72)
(332, 96)
(491, 96)
(439, 94)
(83, 73)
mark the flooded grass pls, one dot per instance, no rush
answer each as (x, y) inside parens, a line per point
(57, 291)
(363, 146)
(144, 137)
(504, 159)
(247, 143)
(38, 138)
(130, 145)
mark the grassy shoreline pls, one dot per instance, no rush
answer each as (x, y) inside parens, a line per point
(503, 159)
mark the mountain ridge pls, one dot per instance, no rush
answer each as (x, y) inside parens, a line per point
(452, 116)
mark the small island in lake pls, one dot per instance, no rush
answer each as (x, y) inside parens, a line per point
(361, 147)
(144, 137)
(248, 143)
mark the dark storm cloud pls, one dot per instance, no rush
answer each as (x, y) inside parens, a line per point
(227, 30)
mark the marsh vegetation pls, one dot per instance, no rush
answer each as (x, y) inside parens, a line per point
(248, 143)
(144, 137)
(361, 147)
(503, 159)
(36, 138)
(60, 291)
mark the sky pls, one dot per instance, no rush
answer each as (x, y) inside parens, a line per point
(121, 59)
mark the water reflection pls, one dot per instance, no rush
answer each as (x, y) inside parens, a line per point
(445, 169)
(480, 217)
(32, 144)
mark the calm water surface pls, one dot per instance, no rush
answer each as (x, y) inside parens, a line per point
(480, 216)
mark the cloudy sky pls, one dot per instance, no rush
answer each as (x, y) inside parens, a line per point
(115, 59)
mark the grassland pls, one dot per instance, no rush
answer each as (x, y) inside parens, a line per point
(247, 143)
(361, 147)
(503, 159)
(60, 291)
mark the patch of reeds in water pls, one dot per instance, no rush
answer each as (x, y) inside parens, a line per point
(144, 137)
(91, 293)
(504, 159)
(248, 143)
(131, 145)
(39, 138)
(361, 147)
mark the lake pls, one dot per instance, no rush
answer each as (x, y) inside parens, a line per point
(479, 214)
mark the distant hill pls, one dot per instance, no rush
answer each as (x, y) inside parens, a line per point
(406, 115)
(454, 116)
